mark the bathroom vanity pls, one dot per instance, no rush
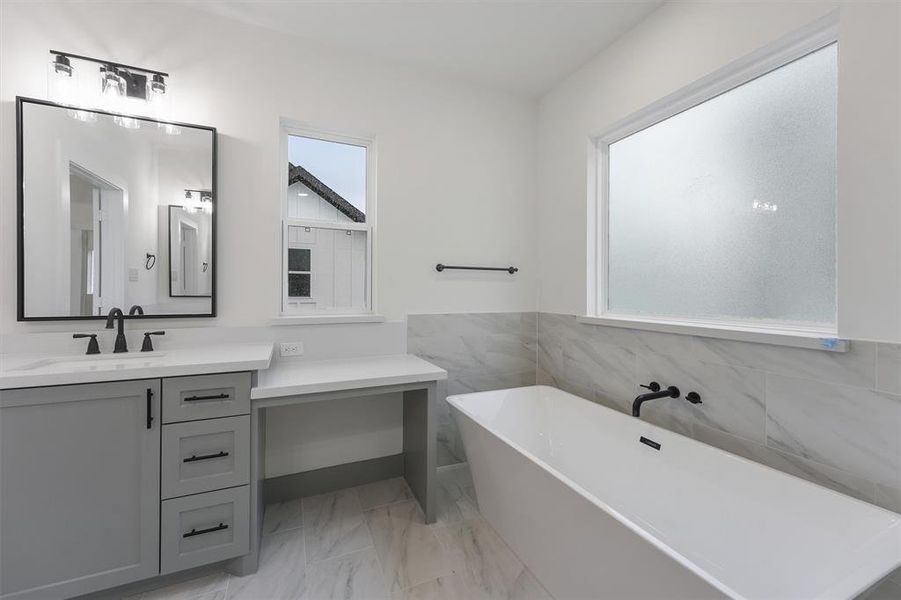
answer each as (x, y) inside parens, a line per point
(119, 468)
(105, 482)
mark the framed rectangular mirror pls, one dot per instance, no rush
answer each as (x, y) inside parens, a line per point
(113, 211)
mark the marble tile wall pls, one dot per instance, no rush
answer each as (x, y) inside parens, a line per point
(480, 351)
(831, 418)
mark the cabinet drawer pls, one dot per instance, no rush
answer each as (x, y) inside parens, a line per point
(202, 456)
(205, 397)
(203, 529)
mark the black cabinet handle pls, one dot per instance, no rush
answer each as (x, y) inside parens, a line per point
(212, 397)
(194, 532)
(149, 408)
(194, 458)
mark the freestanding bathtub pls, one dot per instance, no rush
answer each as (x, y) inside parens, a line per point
(596, 513)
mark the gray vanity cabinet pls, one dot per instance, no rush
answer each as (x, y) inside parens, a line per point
(82, 464)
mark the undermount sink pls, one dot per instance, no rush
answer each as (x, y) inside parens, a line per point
(89, 363)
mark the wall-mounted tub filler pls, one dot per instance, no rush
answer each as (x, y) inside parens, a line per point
(670, 392)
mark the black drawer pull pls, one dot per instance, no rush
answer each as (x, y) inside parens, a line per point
(194, 532)
(194, 458)
(212, 397)
(149, 408)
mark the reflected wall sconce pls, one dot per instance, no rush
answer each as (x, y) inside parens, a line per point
(116, 88)
(199, 200)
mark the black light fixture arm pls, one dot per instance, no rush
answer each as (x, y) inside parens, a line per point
(109, 63)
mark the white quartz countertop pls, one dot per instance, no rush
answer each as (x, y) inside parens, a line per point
(24, 371)
(295, 377)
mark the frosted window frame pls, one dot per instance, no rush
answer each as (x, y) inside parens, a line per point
(817, 35)
(290, 311)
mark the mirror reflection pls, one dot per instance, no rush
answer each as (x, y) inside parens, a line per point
(116, 211)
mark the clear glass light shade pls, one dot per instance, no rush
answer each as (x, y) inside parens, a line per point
(158, 100)
(62, 82)
(112, 86)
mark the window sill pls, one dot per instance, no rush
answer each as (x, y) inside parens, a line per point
(812, 340)
(326, 319)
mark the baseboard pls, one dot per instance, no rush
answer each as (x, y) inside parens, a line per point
(330, 479)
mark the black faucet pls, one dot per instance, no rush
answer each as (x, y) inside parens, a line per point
(121, 343)
(670, 392)
(135, 310)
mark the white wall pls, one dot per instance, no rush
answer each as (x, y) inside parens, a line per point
(682, 42)
(447, 150)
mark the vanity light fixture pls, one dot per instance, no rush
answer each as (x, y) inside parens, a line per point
(120, 88)
(204, 204)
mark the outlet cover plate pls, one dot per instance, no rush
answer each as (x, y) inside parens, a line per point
(290, 349)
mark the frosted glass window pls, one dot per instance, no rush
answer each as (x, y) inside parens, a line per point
(728, 209)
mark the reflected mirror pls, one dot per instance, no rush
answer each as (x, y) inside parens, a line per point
(114, 211)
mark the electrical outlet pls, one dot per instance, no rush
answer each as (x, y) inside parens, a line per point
(291, 348)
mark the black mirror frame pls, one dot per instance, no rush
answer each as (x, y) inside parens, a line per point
(20, 218)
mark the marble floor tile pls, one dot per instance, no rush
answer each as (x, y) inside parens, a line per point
(380, 493)
(354, 576)
(333, 525)
(450, 587)
(527, 587)
(188, 590)
(489, 568)
(455, 495)
(408, 549)
(282, 571)
(282, 516)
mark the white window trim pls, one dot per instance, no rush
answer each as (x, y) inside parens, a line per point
(815, 36)
(289, 127)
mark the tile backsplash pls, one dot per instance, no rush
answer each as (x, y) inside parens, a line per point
(479, 351)
(828, 417)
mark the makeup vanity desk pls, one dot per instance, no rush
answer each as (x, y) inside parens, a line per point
(290, 382)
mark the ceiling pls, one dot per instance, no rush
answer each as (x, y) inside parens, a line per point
(522, 46)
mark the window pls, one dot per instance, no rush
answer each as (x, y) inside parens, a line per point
(327, 229)
(299, 281)
(718, 207)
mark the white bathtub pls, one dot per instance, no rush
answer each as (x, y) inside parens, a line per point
(597, 514)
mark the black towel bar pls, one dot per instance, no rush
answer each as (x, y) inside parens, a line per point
(511, 270)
